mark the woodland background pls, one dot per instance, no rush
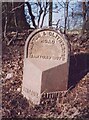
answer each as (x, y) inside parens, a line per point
(15, 30)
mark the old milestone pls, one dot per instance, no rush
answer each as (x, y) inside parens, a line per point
(46, 64)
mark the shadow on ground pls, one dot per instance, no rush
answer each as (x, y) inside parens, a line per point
(79, 66)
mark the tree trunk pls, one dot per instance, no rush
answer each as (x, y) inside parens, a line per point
(14, 8)
(20, 16)
(50, 12)
(66, 16)
(30, 13)
(87, 9)
(84, 16)
(84, 10)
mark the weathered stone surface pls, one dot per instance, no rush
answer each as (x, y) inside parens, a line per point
(45, 64)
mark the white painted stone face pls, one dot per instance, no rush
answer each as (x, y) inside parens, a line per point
(45, 64)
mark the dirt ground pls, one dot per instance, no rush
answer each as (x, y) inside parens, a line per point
(75, 104)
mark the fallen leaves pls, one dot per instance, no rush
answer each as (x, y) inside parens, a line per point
(73, 105)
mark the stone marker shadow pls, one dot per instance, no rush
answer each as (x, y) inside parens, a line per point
(79, 66)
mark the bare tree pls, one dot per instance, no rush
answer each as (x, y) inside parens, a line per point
(13, 19)
(31, 14)
(50, 12)
(42, 10)
(66, 16)
(84, 10)
(87, 10)
(11, 9)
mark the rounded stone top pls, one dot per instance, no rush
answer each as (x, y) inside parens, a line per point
(45, 45)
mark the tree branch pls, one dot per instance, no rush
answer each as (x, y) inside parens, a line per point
(44, 14)
(31, 14)
(40, 12)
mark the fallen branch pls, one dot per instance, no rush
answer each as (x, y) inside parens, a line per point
(63, 96)
(66, 92)
(13, 38)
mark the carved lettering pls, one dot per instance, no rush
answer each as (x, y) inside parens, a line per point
(50, 42)
(30, 92)
(44, 33)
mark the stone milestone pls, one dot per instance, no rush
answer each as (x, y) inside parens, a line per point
(46, 64)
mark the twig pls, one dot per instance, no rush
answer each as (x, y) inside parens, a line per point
(17, 7)
(13, 38)
(66, 92)
(43, 92)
